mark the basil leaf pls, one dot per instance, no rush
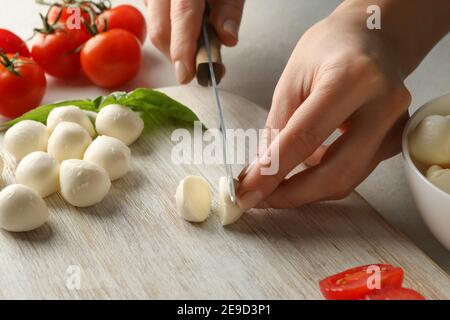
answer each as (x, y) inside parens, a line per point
(151, 104)
(41, 113)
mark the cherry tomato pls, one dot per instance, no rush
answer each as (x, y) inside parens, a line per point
(395, 294)
(111, 58)
(11, 43)
(22, 85)
(352, 284)
(65, 12)
(124, 17)
(58, 52)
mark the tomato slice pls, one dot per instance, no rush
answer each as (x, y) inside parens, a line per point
(395, 294)
(353, 283)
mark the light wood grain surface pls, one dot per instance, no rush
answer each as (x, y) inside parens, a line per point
(134, 245)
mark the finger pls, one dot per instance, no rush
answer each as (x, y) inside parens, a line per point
(316, 157)
(392, 143)
(226, 16)
(328, 106)
(186, 18)
(159, 24)
(375, 136)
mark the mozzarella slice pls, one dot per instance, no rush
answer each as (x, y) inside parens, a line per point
(193, 199)
(228, 211)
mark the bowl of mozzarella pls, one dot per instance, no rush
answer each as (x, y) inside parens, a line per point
(426, 154)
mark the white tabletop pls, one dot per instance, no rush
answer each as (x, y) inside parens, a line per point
(269, 33)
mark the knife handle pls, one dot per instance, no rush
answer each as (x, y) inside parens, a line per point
(201, 61)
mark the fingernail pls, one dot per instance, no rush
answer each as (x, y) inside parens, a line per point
(231, 27)
(180, 72)
(265, 159)
(250, 199)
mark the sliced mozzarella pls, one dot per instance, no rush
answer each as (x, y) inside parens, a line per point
(193, 199)
(228, 211)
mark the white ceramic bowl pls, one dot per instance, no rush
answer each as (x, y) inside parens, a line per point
(433, 203)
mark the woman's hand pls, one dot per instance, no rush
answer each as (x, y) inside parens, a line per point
(340, 75)
(174, 28)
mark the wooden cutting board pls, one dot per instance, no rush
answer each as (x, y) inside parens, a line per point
(134, 245)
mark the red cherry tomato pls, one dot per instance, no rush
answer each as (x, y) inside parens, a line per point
(124, 17)
(63, 13)
(111, 58)
(22, 85)
(352, 284)
(58, 52)
(395, 294)
(11, 43)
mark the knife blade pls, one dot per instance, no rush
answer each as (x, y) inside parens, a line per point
(212, 82)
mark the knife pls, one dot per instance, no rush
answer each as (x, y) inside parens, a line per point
(210, 71)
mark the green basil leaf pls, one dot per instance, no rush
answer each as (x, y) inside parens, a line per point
(41, 113)
(150, 104)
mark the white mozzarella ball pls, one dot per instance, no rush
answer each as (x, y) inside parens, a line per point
(82, 183)
(119, 122)
(21, 209)
(111, 154)
(193, 199)
(430, 140)
(439, 177)
(25, 137)
(228, 211)
(68, 141)
(70, 114)
(40, 172)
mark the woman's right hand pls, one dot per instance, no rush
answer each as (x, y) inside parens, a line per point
(175, 25)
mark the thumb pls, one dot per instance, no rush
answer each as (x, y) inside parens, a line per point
(226, 18)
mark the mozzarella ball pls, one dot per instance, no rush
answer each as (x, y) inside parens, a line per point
(429, 142)
(228, 211)
(70, 114)
(193, 199)
(68, 141)
(82, 183)
(25, 137)
(439, 177)
(21, 209)
(119, 122)
(111, 154)
(40, 172)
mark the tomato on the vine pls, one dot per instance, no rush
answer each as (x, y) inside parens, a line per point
(111, 58)
(57, 49)
(22, 85)
(11, 43)
(124, 17)
(63, 13)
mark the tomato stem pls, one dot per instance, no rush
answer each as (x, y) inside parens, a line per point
(9, 64)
